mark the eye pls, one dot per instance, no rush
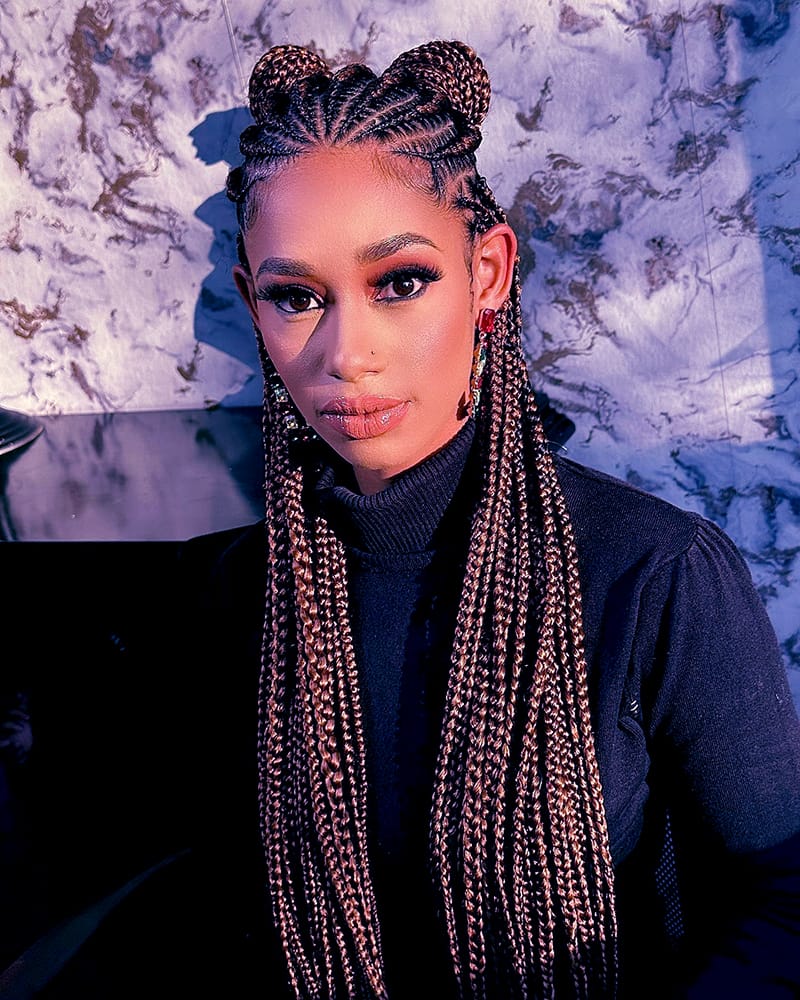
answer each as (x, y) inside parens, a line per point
(292, 299)
(402, 287)
(405, 283)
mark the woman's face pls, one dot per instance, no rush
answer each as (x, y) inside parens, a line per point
(361, 289)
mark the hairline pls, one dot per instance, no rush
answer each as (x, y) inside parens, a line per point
(399, 165)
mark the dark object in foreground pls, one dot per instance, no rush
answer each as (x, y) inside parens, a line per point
(17, 430)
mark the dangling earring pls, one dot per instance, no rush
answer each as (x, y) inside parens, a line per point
(297, 430)
(485, 326)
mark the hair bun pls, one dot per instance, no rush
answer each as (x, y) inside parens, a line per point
(454, 69)
(276, 71)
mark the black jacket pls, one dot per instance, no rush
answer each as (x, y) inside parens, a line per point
(697, 741)
(697, 736)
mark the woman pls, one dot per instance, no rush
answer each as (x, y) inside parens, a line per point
(522, 729)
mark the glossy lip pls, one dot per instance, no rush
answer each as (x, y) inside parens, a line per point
(364, 416)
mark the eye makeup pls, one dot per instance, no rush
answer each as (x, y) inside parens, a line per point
(418, 276)
(291, 299)
(402, 283)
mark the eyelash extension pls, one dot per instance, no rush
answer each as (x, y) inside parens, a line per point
(274, 293)
(421, 271)
(278, 292)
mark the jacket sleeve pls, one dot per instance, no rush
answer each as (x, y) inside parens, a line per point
(725, 742)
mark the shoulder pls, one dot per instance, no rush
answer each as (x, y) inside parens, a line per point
(610, 510)
(629, 539)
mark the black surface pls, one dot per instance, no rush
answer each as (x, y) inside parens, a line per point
(90, 776)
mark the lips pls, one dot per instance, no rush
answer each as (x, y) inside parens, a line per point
(364, 417)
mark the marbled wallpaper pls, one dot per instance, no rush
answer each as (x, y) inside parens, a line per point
(647, 153)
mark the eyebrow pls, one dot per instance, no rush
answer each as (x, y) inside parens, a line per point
(284, 266)
(385, 248)
(289, 267)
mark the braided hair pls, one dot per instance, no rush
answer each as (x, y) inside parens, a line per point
(518, 838)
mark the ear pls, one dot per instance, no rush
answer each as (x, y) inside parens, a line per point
(244, 283)
(493, 266)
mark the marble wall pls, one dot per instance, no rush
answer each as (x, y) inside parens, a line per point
(647, 153)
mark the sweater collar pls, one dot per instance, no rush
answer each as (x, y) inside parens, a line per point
(403, 517)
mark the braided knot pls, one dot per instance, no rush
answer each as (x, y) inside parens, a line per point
(452, 68)
(276, 71)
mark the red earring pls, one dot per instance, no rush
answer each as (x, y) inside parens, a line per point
(486, 320)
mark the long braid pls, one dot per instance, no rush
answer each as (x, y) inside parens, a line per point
(518, 837)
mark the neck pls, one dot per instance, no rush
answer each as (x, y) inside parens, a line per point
(403, 516)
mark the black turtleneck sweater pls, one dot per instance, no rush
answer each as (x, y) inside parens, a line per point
(691, 710)
(405, 572)
(404, 575)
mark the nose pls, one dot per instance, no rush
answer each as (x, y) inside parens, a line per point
(350, 343)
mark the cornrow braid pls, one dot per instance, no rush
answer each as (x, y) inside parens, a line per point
(518, 838)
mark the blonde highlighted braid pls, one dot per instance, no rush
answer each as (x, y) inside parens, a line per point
(518, 838)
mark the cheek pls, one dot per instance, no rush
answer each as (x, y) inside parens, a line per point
(299, 381)
(292, 376)
(285, 363)
(447, 357)
(283, 350)
(441, 375)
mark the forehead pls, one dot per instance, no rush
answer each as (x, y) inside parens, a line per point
(355, 194)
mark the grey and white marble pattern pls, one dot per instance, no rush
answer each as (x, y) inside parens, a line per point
(647, 153)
